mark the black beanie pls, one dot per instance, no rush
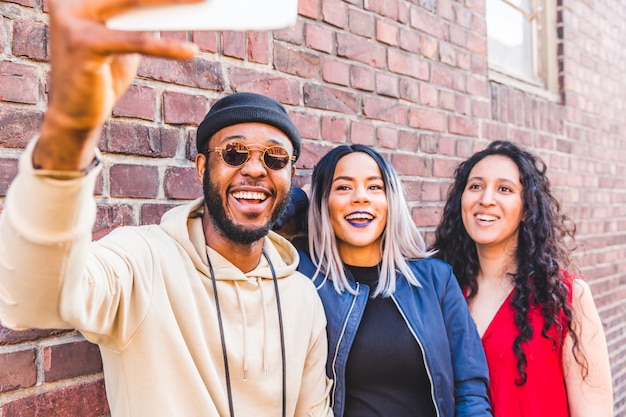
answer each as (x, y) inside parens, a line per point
(246, 108)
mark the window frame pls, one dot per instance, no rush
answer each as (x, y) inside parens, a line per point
(544, 49)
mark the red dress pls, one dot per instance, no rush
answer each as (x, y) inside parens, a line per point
(544, 393)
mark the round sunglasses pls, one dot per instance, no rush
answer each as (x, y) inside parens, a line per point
(237, 153)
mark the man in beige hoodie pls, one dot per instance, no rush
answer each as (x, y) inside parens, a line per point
(202, 315)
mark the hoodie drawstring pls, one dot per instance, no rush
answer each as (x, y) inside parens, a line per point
(244, 323)
(265, 326)
(259, 282)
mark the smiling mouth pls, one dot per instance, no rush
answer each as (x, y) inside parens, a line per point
(251, 196)
(359, 219)
(486, 218)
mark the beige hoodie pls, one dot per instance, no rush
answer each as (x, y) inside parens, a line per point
(144, 294)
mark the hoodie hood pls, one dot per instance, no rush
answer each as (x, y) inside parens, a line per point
(184, 224)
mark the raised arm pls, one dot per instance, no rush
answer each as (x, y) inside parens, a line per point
(48, 215)
(593, 394)
(91, 67)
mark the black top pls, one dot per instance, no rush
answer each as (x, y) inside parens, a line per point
(385, 372)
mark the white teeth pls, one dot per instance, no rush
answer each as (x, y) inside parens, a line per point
(486, 217)
(358, 216)
(249, 195)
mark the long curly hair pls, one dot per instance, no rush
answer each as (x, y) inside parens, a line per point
(545, 242)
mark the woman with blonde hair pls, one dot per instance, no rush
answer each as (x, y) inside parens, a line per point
(401, 340)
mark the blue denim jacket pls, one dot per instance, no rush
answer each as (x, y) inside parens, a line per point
(439, 319)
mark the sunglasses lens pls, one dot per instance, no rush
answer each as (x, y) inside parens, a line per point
(276, 158)
(235, 154)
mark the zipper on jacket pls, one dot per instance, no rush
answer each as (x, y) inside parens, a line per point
(430, 377)
(341, 335)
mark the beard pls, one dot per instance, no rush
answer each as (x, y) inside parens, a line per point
(237, 233)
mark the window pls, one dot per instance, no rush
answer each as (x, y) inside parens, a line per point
(522, 42)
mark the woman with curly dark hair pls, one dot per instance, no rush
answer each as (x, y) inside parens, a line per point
(507, 240)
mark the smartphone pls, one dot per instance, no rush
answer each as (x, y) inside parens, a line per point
(210, 15)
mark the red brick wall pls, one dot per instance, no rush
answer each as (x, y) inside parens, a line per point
(408, 77)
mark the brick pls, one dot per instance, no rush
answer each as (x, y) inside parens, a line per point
(319, 38)
(361, 78)
(285, 90)
(429, 48)
(175, 35)
(84, 400)
(408, 90)
(308, 124)
(478, 86)
(403, 13)
(259, 47)
(27, 3)
(429, 143)
(329, 99)
(429, 95)
(408, 140)
(477, 44)
(386, 32)
(335, 72)
(447, 77)
(447, 54)
(135, 139)
(462, 126)
(463, 104)
(362, 133)
(447, 100)
(293, 35)
(412, 190)
(407, 64)
(334, 129)
(428, 23)
(8, 171)
(409, 40)
(444, 168)
(181, 183)
(13, 337)
(30, 39)
(234, 44)
(295, 62)
(152, 213)
(206, 40)
(18, 126)
(134, 181)
(334, 13)
(411, 165)
(426, 216)
(493, 131)
(361, 23)
(18, 83)
(192, 73)
(70, 360)
(361, 50)
(138, 101)
(191, 149)
(427, 119)
(463, 60)
(111, 217)
(309, 8)
(311, 154)
(387, 8)
(458, 36)
(17, 370)
(386, 110)
(181, 108)
(387, 85)
(387, 137)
